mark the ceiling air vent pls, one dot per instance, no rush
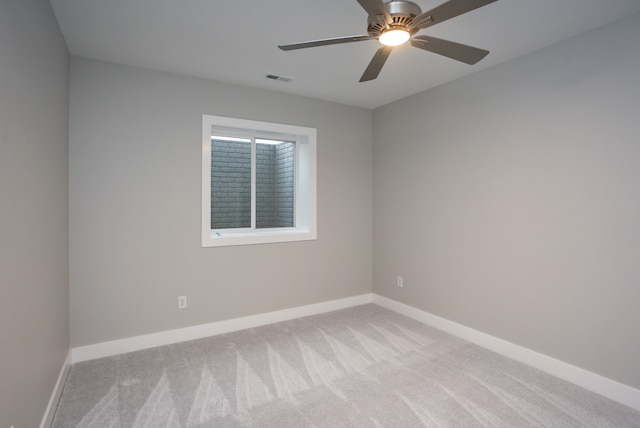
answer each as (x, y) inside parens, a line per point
(279, 78)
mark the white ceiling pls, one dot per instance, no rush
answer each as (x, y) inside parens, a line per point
(236, 41)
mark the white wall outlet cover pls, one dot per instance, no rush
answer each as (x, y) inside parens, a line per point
(182, 302)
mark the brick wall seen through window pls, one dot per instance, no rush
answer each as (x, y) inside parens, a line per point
(231, 184)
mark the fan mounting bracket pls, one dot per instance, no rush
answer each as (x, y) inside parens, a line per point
(402, 15)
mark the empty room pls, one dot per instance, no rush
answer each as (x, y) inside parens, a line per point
(346, 213)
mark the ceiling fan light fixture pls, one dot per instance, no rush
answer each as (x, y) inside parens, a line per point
(394, 22)
(394, 37)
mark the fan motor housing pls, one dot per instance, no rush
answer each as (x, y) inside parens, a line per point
(402, 14)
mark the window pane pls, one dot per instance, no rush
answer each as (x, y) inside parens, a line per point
(275, 179)
(230, 183)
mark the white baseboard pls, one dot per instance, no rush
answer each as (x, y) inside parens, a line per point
(50, 411)
(130, 344)
(606, 387)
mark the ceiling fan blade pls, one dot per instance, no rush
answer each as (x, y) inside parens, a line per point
(324, 42)
(378, 60)
(376, 8)
(459, 52)
(447, 10)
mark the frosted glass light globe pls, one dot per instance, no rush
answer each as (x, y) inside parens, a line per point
(394, 37)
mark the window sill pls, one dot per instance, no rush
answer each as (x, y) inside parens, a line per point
(224, 239)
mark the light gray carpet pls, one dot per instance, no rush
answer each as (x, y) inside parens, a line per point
(360, 367)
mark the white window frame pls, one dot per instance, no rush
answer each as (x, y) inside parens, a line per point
(305, 182)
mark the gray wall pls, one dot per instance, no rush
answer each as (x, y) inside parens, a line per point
(135, 185)
(34, 286)
(510, 201)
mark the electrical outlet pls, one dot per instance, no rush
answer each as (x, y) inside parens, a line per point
(182, 302)
(400, 282)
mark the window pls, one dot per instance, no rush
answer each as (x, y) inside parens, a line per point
(258, 182)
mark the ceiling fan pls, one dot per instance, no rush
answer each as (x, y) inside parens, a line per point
(396, 22)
